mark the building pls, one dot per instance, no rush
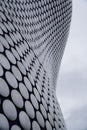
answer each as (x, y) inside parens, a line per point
(33, 35)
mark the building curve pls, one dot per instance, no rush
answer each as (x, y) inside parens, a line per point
(33, 35)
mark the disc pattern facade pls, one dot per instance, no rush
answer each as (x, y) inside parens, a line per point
(33, 35)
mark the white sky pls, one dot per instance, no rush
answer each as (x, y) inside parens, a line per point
(72, 80)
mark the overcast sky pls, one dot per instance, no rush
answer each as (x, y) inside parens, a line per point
(72, 80)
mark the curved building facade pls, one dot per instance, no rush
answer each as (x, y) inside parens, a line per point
(33, 35)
